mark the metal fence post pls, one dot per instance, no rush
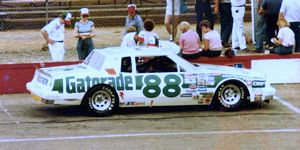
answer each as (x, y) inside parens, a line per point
(2, 20)
(173, 19)
(46, 7)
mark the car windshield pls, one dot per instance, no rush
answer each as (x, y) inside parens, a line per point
(94, 60)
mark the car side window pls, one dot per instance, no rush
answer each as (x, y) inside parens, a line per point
(158, 64)
(126, 64)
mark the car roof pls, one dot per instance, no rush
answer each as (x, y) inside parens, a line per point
(133, 51)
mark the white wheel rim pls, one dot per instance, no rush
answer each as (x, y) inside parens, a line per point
(231, 94)
(101, 100)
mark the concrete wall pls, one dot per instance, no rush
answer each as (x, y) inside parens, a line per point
(279, 69)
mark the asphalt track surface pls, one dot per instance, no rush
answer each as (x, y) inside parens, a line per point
(25, 124)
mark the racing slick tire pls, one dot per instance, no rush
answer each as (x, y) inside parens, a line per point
(101, 100)
(231, 96)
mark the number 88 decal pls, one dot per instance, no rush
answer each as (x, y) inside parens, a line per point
(153, 90)
(171, 89)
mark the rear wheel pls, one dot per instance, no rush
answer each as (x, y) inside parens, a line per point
(231, 96)
(101, 100)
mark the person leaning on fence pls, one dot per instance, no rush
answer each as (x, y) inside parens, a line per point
(54, 33)
(133, 19)
(84, 30)
(189, 42)
(129, 38)
(285, 40)
(211, 40)
(169, 17)
(147, 37)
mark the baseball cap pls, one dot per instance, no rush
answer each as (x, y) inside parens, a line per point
(84, 11)
(68, 19)
(131, 8)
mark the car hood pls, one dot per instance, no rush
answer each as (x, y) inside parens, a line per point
(217, 69)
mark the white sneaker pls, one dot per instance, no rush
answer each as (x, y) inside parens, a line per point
(171, 38)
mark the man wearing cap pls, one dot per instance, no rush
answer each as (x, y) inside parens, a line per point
(133, 19)
(84, 30)
(54, 33)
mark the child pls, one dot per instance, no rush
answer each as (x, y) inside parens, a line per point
(147, 37)
(129, 38)
(285, 40)
(211, 40)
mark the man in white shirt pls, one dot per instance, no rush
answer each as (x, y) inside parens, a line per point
(290, 10)
(54, 33)
(238, 35)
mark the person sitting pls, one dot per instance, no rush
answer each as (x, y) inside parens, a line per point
(147, 37)
(285, 40)
(129, 38)
(211, 40)
(189, 42)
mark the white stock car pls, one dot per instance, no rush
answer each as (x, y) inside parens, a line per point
(128, 77)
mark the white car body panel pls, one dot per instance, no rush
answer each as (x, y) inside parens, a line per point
(196, 84)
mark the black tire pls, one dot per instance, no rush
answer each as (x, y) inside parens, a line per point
(101, 100)
(231, 96)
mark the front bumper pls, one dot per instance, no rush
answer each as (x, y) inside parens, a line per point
(263, 94)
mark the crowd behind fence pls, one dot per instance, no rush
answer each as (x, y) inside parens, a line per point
(16, 17)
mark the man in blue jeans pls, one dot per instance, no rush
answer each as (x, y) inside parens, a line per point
(203, 11)
(224, 7)
(260, 34)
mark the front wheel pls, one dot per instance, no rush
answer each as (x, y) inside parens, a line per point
(101, 100)
(231, 96)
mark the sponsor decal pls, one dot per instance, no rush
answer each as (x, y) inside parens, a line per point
(186, 95)
(202, 89)
(42, 80)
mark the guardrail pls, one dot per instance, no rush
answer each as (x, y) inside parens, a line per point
(15, 76)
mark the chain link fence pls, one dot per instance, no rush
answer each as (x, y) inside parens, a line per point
(21, 21)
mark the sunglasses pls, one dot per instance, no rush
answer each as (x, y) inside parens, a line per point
(85, 15)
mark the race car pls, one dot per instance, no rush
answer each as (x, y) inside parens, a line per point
(117, 77)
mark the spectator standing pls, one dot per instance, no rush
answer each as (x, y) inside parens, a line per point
(54, 33)
(290, 10)
(84, 30)
(224, 7)
(147, 37)
(211, 39)
(169, 16)
(203, 11)
(270, 10)
(238, 35)
(285, 38)
(133, 19)
(129, 38)
(260, 35)
(189, 42)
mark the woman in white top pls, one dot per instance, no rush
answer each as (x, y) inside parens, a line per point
(285, 40)
(211, 40)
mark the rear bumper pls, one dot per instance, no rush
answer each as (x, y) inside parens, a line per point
(49, 97)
